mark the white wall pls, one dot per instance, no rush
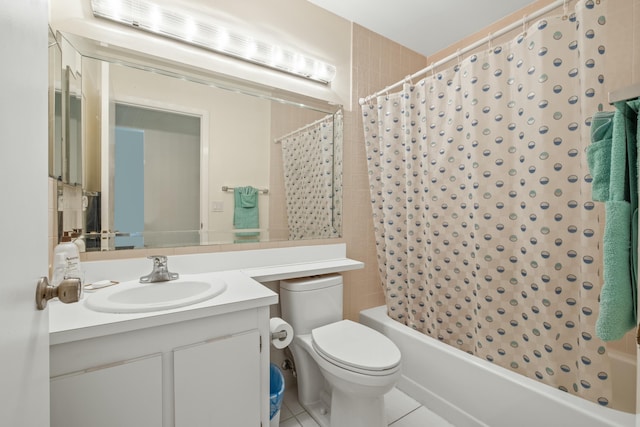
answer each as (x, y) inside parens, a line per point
(318, 33)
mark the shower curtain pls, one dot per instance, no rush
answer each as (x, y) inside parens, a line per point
(312, 161)
(486, 234)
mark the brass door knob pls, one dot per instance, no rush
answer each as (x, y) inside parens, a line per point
(67, 291)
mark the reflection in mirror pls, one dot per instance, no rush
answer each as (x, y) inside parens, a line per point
(55, 107)
(156, 166)
(180, 159)
(72, 125)
(312, 183)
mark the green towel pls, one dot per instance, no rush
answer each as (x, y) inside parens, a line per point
(618, 295)
(633, 129)
(617, 306)
(599, 154)
(246, 213)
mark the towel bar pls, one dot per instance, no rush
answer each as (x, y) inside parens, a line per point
(260, 190)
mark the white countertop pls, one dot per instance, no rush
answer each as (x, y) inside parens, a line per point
(305, 269)
(72, 322)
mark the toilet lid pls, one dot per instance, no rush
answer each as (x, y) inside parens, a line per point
(354, 345)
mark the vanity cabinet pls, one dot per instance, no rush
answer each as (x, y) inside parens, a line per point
(211, 371)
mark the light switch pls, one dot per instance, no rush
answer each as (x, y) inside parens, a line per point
(217, 206)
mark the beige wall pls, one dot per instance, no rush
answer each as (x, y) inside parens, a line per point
(377, 62)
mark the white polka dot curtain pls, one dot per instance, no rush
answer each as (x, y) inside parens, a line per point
(486, 233)
(313, 191)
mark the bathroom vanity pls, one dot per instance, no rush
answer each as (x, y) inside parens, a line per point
(203, 364)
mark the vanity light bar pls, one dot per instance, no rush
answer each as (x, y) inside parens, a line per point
(185, 27)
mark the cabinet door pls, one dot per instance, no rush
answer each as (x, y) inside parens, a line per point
(124, 394)
(217, 383)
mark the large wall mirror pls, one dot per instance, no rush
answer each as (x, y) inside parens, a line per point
(170, 156)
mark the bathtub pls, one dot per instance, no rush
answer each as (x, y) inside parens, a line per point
(469, 391)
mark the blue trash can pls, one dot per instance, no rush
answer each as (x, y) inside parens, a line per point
(276, 393)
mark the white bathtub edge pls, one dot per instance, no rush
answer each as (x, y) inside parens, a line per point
(437, 405)
(541, 403)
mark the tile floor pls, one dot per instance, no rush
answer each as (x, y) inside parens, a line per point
(401, 410)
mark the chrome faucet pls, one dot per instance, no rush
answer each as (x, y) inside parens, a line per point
(160, 271)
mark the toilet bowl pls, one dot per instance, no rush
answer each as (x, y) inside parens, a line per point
(343, 368)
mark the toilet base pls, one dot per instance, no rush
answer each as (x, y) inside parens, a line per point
(346, 410)
(319, 412)
(350, 411)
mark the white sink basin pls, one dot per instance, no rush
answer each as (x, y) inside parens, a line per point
(136, 297)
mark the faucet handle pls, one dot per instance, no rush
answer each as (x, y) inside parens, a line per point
(158, 260)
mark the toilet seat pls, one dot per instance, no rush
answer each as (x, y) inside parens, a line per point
(356, 348)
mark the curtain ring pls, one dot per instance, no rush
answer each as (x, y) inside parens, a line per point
(433, 72)
(565, 7)
(490, 42)
(408, 79)
(524, 25)
(458, 56)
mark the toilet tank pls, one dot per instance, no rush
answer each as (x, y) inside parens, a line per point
(311, 302)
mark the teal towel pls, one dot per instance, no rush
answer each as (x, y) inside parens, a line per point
(247, 237)
(245, 212)
(599, 154)
(618, 295)
(633, 130)
(623, 155)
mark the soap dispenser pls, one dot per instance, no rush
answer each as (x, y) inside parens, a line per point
(59, 263)
(66, 262)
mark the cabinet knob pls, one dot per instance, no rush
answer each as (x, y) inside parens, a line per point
(67, 291)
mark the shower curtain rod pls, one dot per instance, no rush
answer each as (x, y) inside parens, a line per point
(460, 52)
(279, 139)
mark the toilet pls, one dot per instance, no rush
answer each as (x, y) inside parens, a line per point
(343, 368)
